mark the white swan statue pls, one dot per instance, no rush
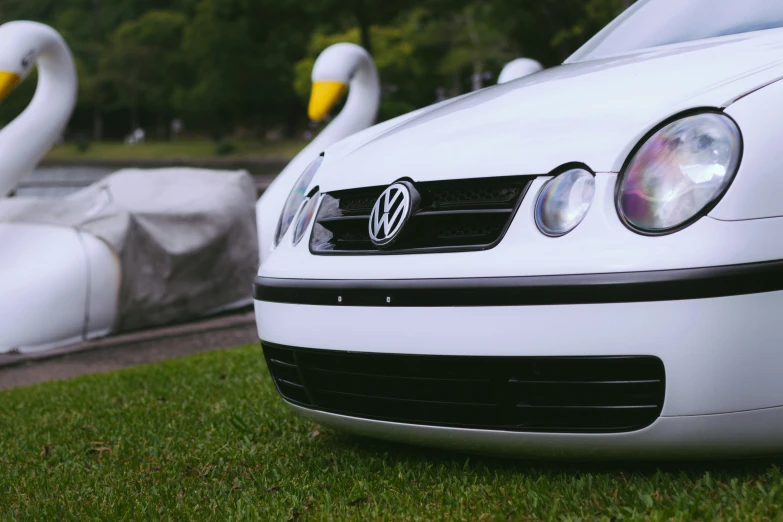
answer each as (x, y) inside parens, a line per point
(519, 68)
(131, 251)
(340, 67)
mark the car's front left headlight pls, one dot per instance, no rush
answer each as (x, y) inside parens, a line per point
(679, 173)
(295, 199)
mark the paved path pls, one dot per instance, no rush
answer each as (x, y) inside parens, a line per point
(125, 350)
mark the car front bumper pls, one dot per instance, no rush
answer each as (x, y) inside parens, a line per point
(732, 435)
(722, 349)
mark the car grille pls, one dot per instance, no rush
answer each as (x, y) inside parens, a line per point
(458, 215)
(528, 394)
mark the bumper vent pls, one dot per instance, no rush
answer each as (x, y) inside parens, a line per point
(454, 215)
(533, 394)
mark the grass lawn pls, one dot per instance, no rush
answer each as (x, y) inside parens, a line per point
(206, 437)
(174, 149)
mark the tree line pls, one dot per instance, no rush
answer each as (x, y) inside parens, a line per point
(241, 68)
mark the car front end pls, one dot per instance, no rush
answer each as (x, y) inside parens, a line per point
(582, 263)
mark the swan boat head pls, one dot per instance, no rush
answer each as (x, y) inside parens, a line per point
(519, 68)
(337, 68)
(340, 68)
(27, 139)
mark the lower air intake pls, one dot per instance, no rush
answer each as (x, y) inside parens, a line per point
(526, 394)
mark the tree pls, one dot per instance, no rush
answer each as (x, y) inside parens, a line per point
(226, 66)
(242, 53)
(145, 64)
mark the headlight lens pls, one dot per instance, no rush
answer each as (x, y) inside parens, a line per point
(679, 171)
(305, 217)
(564, 202)
(295, 199)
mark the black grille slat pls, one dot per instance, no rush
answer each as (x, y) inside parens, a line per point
(459, 215)
(469, 212)
(415, 413)
(286, 373)
(291, 384)
(415, 388)
(337, 220)
(407, 400)
(282, 363)
(587, 408)
(538, 394)
(593, 394)
(645, 381)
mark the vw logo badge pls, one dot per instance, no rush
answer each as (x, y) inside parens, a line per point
(391, 212)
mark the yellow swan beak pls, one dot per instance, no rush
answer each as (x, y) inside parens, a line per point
(8, 81)
(323, 97)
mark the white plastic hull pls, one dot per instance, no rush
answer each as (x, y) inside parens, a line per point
(58, 286)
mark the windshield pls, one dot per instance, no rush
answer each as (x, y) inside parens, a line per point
(650, 23)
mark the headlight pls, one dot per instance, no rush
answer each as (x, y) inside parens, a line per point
(295, 199)
(564, 202)
(679, 173)
(305, 217)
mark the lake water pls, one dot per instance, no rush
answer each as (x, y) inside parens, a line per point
(56, 181)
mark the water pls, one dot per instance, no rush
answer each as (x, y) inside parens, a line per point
(57, 181)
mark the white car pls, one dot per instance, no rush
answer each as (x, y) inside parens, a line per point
(586, 262)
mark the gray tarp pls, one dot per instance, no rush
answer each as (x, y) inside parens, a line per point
(186, 238)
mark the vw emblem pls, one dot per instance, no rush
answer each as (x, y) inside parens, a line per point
(391, 212)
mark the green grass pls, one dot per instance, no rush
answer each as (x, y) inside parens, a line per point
(174, 150)
(206, 437)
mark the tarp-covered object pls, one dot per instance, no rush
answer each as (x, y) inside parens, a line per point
(186, 238)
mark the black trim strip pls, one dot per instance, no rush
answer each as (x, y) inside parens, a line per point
(626, 287)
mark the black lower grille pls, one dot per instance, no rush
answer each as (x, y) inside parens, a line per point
(471, 214)
(536, 394)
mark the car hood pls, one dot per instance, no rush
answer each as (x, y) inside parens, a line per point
(591, 112)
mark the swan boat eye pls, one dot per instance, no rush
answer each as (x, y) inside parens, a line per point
(28, 59)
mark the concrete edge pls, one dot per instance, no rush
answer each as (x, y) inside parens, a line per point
(224, 322)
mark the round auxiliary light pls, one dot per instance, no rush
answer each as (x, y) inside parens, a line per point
(564, 202)
(679, 173)
(305, 217)
(295, 199)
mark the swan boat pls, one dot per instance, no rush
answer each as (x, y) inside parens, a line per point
(126, 253)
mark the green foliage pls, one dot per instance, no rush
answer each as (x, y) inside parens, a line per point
(401, 70)
(224, 148)
(597, 13)
(82, 146)
(208, 438)
(229, 65)
(140, 65)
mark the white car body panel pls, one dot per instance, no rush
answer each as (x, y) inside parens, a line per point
(72, 297)
(593, 113)
(757, 189)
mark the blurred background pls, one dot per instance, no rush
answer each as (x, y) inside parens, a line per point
(230, 78)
